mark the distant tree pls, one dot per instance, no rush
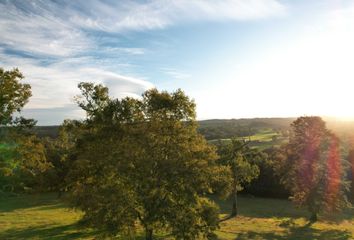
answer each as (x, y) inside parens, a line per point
(313, 167)
(241, 160)
(143, 161)
(60, 153)
(268, 183)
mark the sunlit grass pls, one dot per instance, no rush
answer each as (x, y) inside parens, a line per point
(263, 139)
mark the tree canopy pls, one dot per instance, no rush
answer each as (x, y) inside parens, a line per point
(142, 160)
(13, 94)
(22, 154)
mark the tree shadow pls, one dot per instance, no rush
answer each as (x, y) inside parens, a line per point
(249, 206)
(252, 207)
(48, 232)
(295, 233)
(43, 202)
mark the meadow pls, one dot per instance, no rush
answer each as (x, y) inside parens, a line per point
(45, 216)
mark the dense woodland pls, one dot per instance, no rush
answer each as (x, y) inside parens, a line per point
(149, 163)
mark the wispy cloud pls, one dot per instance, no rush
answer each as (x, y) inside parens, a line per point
(55, 86)
(58, 28)
(176, 74)
(120, 16)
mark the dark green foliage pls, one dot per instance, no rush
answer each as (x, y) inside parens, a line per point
(268, 183)
(143, 161)
(60, 153)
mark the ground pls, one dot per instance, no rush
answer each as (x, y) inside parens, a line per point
(47, 217)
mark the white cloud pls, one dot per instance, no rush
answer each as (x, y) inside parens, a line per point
(55, 86)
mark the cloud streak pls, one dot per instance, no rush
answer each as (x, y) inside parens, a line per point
(58, 28)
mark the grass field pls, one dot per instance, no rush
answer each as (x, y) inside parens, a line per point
(46, 217)
(263, 139)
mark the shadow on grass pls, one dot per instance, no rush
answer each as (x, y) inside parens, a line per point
(296, 233)
(252, 207)
(43, 201)
(72, 231)
(249, 206)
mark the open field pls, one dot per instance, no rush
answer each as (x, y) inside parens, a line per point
(46, 217)
(263, 139)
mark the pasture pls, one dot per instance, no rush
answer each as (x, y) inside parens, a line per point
(46, 217)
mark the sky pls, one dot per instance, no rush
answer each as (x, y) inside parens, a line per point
(235, 58)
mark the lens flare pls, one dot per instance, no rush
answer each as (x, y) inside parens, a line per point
(333, 173)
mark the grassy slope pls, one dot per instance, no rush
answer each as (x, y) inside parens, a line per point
(45, 217)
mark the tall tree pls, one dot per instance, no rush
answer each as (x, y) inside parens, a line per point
(242, 163)
(143, 160)
(22, 157)
(313, 167)
(13, 94)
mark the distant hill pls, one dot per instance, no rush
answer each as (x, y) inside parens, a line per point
(226, 128)
(46, 131)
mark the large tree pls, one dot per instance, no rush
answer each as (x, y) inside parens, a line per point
(13, 95)
(22, 154)
(314, 168)
(242, 163)
(142, 160)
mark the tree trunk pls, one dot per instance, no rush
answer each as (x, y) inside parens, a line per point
(234, 201)
(59, 194)
(313, 217)
(148, 233)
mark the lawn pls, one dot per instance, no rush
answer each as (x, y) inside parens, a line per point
(46, 217)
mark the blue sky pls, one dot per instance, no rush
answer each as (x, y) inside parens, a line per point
(235, 58)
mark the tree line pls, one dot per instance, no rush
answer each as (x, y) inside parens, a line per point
(142, 162)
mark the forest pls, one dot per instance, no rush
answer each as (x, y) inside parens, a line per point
(146, 168)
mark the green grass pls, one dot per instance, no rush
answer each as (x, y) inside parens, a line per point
(46, 217)
(263, 139)
(39, 217)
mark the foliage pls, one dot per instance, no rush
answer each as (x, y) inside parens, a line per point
(313, 168)
(22, 156)
(60, 154)
(268, 183)
(13, 95)
(143, 160)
